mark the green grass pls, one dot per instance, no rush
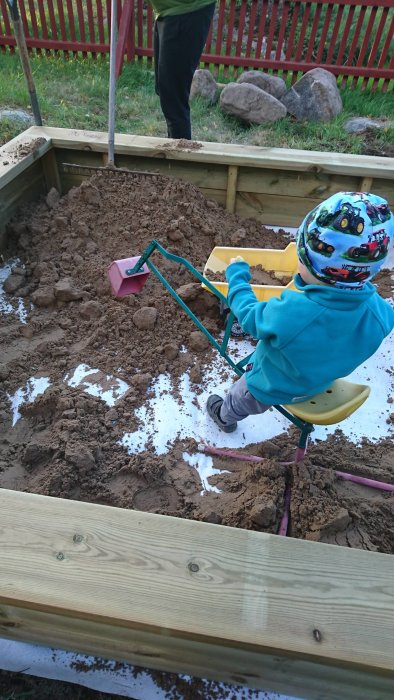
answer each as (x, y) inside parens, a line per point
(73, 93)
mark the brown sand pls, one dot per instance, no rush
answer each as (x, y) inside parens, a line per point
(66, 443)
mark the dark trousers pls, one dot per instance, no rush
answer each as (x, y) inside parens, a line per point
(178, 45)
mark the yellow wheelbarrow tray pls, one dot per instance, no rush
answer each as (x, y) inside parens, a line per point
(281, 263)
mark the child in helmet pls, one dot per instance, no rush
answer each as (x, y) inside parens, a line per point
(308, 340)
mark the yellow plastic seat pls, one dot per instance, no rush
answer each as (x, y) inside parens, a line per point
(333, 405)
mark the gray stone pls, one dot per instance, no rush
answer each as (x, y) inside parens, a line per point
(315, 97)
(198, 341)
(269, 83)
(171, 351)
(204, 85)
(357, 125)
(43, 297)
(250, 103)
(145, 318)
(90, 309)
(66, 291)
(53, 197)
(16, 115)
(189, 291)
(13, 282)
(90, 193)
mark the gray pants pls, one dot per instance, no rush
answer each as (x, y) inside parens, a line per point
(239, 403)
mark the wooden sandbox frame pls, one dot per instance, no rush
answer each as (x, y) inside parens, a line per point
(248, 608)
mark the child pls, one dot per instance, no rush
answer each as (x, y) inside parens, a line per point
(308, 340)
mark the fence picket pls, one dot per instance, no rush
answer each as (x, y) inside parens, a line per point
(252, 20)
(377, 38)
(261, 29)
(91, 23)
(33, 20)
(292, 35)
(353, 45)
(386, 47)
(52, 19)
(351, 38)
(312, 39)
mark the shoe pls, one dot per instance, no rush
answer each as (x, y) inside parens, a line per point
(236, 330)
(214, 405)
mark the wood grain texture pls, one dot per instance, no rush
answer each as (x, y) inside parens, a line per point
(202, 582)
(230, 663)
(228, 154)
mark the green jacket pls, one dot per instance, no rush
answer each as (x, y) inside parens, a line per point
(164, 8)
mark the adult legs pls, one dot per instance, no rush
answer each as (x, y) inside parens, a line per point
(178, 44)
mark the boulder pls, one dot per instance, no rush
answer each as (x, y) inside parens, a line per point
(16, 115)
(315, 97)
(204, 85)
(250, 103)
(358, 125)
(269, 83)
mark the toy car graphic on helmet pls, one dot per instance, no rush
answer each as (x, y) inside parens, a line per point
(347, 219)
(351, 229)
(376, 246)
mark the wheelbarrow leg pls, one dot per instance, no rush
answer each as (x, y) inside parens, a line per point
(306, 430)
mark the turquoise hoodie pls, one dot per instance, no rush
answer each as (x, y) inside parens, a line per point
(306, 340)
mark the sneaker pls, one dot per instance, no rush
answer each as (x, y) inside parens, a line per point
(214, 405)
(236, 330)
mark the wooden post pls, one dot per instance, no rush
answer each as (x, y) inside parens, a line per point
(51, 171)
(366, 184)
(231, 193)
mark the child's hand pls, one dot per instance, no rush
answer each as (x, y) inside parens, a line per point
(239, 258)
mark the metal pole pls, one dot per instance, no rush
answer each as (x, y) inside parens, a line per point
(24, 55)
(112, 83)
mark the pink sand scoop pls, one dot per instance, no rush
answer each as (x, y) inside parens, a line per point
(123, 283)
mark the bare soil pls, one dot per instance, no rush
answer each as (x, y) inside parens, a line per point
(66, 443)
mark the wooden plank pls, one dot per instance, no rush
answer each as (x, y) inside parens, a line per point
(228, 154)
(11, 164)
(196, 581)
(202, 175)
(294, 183)
(27, 187)
(229, 664)
(278, 211)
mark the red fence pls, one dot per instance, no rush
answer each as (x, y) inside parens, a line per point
(354, 39)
